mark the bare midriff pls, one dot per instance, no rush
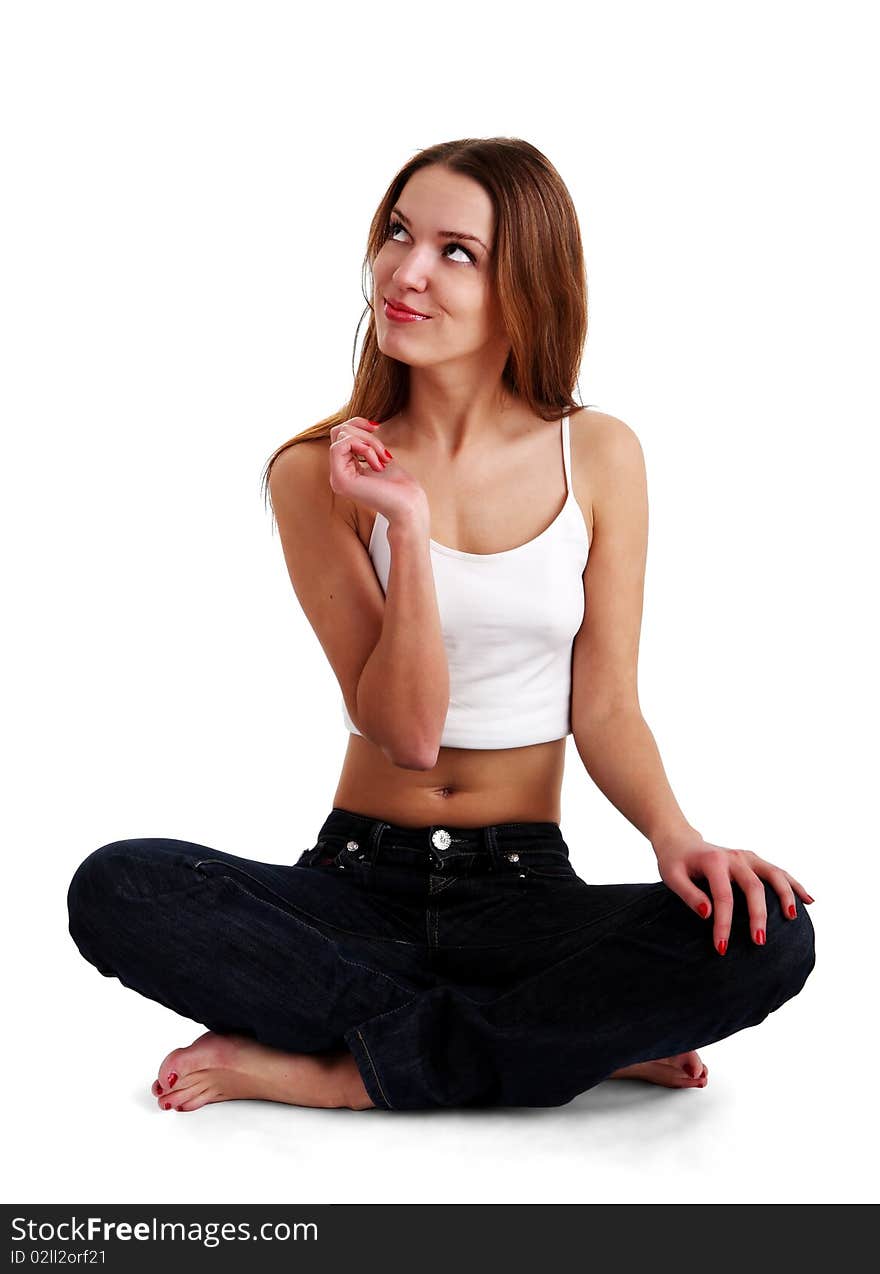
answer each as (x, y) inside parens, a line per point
(466, 788)
(472, 787)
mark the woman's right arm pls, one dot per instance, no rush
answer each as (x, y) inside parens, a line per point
(387, 651)
(403, 692)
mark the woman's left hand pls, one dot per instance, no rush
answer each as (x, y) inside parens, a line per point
(681, 859)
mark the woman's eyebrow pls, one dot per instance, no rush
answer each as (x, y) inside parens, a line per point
(444, 234)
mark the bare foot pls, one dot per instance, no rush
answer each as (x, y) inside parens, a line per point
(224, 1067)
(684, 1070)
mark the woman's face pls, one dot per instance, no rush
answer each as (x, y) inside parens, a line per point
(446, 277)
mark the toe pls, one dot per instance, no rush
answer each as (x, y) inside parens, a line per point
(171, 1069)
(690, 1063)
(187, 1095)
(165, 1064)
(171, 1072)
(193, 1099)
(171, 1066)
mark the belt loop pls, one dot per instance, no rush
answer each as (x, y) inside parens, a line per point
(491, 844)
(378, 830)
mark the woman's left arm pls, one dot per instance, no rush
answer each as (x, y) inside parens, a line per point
(612, 737)
(621, 756)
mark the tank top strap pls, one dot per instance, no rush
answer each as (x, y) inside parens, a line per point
(566, 453)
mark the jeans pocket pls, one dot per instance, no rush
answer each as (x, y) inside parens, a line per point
(335, 855)
(549, 869)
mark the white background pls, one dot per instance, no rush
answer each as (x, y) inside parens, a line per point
(188, 189)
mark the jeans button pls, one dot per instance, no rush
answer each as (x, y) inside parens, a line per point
(512, 858)
(352, 844)
(441, 838)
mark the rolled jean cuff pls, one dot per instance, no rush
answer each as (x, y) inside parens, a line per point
(388, 1050)
(429, 1052)
(375, 1083)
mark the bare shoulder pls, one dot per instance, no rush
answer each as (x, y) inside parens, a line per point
(607, 460)
(298, 464)
(302, 473)
(596, 433)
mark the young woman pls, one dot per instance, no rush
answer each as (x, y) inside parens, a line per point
(469, 546)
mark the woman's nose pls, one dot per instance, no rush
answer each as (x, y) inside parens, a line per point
(414, 270)
(410, 280)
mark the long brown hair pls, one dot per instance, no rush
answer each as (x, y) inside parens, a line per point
(537, 268)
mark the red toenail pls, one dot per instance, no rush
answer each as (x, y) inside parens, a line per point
(159, 1086)
(172, 1080)
(167, 1105)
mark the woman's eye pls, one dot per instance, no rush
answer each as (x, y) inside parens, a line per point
(394, 226)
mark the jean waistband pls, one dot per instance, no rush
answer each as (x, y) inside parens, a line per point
(443, 840)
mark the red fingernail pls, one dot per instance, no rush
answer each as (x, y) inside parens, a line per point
(172, 1079)
(388, 454)
(792, 910)
(722, 946)
(703, 909)
(759, 937)
(809, 899)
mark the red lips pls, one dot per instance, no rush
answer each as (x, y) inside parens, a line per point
(407, 309)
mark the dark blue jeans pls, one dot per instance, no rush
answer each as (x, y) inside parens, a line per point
(460, 966)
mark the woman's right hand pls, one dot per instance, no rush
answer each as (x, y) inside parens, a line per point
(361, 470)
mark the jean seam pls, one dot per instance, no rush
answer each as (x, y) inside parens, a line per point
(300, 911)
(369, 1022)
(436, 885)
(575, 955)
(345, 960)
(373, 1067)
(546, 937)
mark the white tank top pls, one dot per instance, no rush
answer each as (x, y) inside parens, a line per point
(509, 621)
